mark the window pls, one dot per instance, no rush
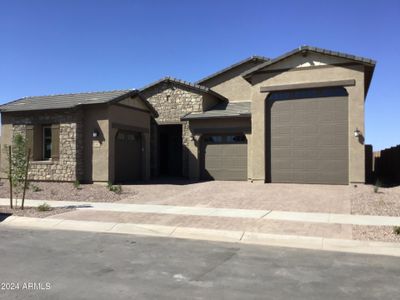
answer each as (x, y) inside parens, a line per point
(225, 139)
(46, 142)
(235, 138)
(308, 93)
(43, 140)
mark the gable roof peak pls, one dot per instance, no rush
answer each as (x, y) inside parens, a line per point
(194, 86)
(306, 48)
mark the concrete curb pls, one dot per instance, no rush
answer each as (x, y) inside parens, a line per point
(307, 217)
(254, 238)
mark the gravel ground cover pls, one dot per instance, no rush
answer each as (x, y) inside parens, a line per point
(67, 192)
(386, 202)
(34, 212)
(375, 233)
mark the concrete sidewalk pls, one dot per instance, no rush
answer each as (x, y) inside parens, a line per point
(305, 242)
(327, 218)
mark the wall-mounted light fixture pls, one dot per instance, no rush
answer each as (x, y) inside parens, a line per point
(95, 133)
(357, 132)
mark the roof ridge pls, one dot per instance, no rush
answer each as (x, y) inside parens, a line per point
(80, 93)
(177, 80)
(250, 58)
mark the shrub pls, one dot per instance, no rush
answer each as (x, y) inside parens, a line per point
(44, 207)
(396, 230)
(114, 188)
(18, 167)
(377, 185)
(77, 185)
(35, 188)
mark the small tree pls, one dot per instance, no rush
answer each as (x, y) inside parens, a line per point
(18, 170)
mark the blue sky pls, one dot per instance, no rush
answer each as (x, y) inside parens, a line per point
(50, 47)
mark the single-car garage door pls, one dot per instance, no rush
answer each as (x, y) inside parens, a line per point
(225, 157)
(128, 158)
(308, 135)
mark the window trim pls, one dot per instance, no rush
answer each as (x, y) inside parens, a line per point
(44, 127)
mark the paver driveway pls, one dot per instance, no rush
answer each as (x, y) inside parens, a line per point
(233, 194)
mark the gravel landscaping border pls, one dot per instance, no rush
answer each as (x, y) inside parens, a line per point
(384, 202)
(375, 233)
(66, 191)
(33, 212)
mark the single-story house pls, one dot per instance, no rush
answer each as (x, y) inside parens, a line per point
(298, 118)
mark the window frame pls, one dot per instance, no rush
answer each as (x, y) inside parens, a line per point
(44, 127)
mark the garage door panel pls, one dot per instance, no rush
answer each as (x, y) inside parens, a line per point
(282, 164)
(303, 129)
(128, 159)
(310, 144)
(284, 176)
(282, 130)
(282, 152)
(225, 161)
(284, 140)
(332, 153)
(303, 141)
(305, 164)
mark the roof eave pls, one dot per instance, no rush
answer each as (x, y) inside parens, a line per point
(189, 118)
(224, 70)
(359, 59)
(194, 86)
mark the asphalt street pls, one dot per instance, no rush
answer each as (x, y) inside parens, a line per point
(36, 264)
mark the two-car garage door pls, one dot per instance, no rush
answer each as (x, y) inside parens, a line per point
(308, 136)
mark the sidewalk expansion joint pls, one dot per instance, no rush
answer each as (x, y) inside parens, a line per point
(173, 231)
(242, 235)
(266, 214)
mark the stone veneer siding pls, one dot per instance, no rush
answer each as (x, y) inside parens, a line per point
(69, 166)
(172, 101)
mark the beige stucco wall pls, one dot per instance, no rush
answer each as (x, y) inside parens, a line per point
(307, 75)
(209, 101)
(235, 89)
(96, 150)
(99, 152)
(231, 84)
